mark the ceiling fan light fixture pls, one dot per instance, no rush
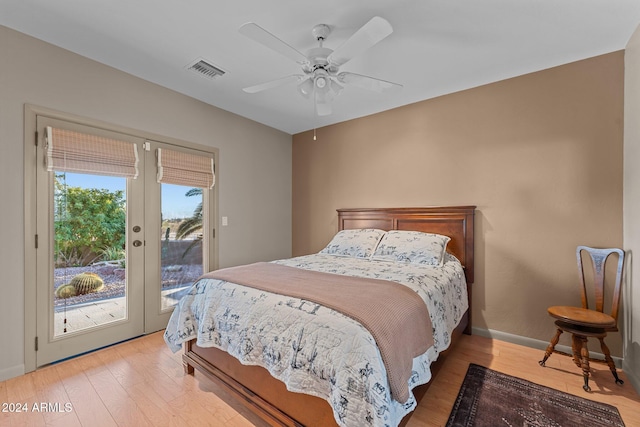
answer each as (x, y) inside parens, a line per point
(321, 82)
(306, 88)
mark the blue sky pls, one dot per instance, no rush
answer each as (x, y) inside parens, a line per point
(174, 202)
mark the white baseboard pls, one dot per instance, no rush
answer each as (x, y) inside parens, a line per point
(14, 371)
(631, 376)
(537, 344)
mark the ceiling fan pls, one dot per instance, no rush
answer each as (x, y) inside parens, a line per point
(322, 78)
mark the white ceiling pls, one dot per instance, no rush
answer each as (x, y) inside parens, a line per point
(437, 46)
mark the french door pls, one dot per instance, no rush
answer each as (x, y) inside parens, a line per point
(117, 245)
(179, 212)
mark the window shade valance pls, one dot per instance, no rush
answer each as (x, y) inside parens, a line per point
(70, 151)
(177, 167)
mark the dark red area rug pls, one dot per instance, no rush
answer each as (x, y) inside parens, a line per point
(490, 399)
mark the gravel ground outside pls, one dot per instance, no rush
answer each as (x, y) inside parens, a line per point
(114, 283)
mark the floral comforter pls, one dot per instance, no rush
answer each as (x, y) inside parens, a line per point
(316, 350)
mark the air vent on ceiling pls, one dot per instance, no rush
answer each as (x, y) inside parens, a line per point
(205, 69)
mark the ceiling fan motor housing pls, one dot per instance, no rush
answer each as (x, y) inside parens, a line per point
(318, 59)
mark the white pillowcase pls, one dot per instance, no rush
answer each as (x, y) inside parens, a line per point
(356, 243)
(412, 247)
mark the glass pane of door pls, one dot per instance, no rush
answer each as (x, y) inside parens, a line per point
(89, 257)
(181, 238)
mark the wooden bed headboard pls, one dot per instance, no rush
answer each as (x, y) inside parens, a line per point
(453, 221)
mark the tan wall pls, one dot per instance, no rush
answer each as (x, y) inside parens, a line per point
(540, 155)
(632, 206)
(253, 172)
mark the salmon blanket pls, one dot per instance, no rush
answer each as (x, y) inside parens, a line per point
(395, 315)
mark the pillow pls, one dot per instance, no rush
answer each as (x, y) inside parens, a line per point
(357, 243)
(412, 247)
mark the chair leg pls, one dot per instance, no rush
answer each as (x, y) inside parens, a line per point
(551, 346)
(607, 357)
(584, 353)
(576, 347)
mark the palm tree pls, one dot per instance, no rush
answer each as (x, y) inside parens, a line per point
(192, 224)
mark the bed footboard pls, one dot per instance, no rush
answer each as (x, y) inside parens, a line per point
(257, 390)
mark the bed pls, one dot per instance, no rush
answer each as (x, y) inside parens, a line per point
(325, 397)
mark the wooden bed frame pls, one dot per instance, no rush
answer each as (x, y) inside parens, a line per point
(268, 397)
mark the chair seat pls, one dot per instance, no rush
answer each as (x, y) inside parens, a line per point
(582, 317)
(582, 331)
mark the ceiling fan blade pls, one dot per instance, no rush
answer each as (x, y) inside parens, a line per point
(368, 35)
(262, 36)
(369, 83)
(273, 83)
(322, 105)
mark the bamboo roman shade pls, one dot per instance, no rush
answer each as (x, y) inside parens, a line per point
(178, 167)
(70, 151)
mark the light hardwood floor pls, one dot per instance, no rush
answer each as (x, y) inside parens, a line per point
(141, 383)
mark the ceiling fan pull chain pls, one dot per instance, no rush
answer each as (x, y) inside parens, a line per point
(315, 113)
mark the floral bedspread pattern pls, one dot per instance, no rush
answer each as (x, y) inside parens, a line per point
(316, 350)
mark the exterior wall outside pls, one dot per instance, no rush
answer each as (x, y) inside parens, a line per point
(540, 155)
(253, 175)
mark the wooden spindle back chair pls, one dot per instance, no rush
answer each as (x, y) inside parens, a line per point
(582, 322)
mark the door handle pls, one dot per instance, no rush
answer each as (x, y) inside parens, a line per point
(137, 243)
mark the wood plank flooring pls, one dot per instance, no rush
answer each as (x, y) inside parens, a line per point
(141, 383)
